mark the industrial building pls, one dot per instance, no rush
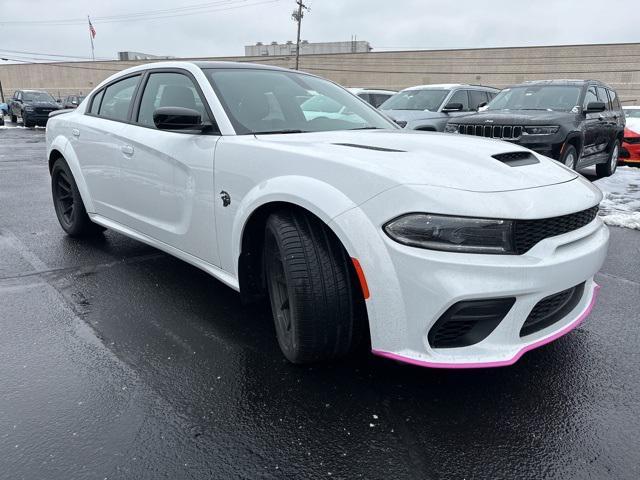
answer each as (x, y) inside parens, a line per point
(616, 64)
(306, 48)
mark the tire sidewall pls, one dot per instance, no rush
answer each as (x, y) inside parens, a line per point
(75, 227)
(288, 343)
(570, 149)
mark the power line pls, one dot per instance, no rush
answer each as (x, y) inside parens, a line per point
(51, 55)
(142, 16)
(431, 72)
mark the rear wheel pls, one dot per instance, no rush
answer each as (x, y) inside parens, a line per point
(570, 157)
(14, 119)
(68, 204)
(607, 169)
(315, 302)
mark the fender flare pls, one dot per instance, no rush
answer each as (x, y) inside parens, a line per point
(321, 199)
(62, 145)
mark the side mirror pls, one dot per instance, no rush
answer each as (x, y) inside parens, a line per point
(452, 107)
(594, 107)
(481, 105)
(177, 118)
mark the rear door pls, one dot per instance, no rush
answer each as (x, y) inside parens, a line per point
(608, 130)
(167, 176)
(97, 141)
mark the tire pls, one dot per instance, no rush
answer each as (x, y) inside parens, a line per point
(607, 169)
(68, 204)
(14, 119)
(569, 157)
(315, 301)
(26, 122)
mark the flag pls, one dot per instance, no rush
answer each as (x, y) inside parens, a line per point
(92, 30)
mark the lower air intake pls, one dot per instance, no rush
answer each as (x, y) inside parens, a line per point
(469, 322)
(551, 309)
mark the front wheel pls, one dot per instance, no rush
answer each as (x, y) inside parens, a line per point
(315, 303)
(607, 169)
(570, 157)
(14, 119)
(68, 203)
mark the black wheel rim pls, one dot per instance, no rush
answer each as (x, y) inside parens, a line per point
(64, 198)
(278, 292)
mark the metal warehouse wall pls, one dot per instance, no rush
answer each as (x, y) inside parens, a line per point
(615, 64)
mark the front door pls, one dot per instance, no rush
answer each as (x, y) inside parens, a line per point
(167, 176)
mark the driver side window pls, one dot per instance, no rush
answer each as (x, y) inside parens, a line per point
(168, 89)
(461, 96)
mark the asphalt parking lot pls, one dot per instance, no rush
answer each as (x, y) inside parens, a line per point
(118, 361)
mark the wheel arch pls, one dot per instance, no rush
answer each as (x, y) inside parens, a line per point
(61, 148)
(575, 139)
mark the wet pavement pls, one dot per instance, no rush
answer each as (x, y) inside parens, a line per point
(118, 361)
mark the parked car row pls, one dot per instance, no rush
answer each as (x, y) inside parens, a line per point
(577, 122)
(34, 106)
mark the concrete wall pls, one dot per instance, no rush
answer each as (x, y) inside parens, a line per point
(616, 64)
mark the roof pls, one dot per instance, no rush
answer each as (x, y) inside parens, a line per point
(563, 81)
(450, 86)
(247, 65)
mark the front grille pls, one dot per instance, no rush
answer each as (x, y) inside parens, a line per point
(551, 309)
(468, 322)
(43, 110)
(529, 232)
(505, 132)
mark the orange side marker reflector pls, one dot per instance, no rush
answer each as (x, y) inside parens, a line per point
(361, 278)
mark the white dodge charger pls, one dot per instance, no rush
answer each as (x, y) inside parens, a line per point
(441, 250)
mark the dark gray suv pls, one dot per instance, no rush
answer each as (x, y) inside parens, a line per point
(578, 122)
(430, 107)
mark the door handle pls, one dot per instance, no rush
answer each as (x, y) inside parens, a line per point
(75, 132)
(127, 150)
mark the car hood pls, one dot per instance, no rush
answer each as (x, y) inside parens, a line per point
(516, 117)
(419, 158)
(411, 115)
(43, 104)
(633, 124)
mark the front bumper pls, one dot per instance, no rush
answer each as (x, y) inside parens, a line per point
(411, 288)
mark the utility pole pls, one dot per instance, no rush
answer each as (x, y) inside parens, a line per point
(297, 17)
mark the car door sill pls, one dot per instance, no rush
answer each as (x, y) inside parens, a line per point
(216, 272)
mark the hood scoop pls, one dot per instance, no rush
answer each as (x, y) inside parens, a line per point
(370, 147)
(517, 159)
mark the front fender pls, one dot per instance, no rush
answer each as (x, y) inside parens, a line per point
(316, 196)
(62, 145)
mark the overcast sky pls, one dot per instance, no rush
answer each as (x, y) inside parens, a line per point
(228, 25)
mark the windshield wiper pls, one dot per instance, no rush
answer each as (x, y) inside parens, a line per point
(272, 132)
(366, 128)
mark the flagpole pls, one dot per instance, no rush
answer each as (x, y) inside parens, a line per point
(93, 55)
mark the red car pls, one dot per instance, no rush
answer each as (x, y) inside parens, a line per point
(630, 152)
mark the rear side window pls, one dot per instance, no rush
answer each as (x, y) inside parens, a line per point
(95, 103)
(117, 99)
(476, 98)
(166, 89)
(462, 97)
(615, 102)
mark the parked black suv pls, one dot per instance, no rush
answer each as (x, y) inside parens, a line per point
(33, 106)
(578, 122)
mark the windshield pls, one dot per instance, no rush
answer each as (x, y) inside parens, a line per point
(632, 112)
(537, 97)
(37, 97)
(273, 101)
(416, 100)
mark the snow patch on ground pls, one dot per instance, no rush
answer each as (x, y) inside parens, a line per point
(621, 203)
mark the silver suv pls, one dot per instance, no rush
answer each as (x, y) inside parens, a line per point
(430, 107)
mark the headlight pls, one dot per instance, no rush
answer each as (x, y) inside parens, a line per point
(453, 234)
(544, 130)
(452, 128)
(28, 108)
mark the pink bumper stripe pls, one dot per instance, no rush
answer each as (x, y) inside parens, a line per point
(500, 363)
